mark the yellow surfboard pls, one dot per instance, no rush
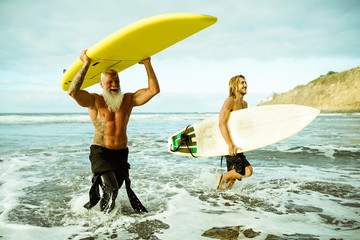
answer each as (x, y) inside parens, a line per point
(136, 42)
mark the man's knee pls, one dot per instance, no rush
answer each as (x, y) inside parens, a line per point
(110, 189)
(248, 171)
(109, 179)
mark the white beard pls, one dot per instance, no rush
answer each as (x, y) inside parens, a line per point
(113, 101)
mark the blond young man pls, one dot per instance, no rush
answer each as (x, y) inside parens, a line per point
(237, 164)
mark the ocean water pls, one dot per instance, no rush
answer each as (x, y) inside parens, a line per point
(307, 184)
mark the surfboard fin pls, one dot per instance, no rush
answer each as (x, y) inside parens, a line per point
(184, 137)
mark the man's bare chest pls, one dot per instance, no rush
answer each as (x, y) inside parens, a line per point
(238, 105)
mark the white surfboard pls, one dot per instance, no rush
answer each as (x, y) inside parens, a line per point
(250, 129)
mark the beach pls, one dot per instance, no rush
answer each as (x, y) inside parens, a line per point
(307, 184)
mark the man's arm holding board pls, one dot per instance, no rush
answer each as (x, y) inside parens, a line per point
(223, 119)
(142, 96)
(82, 97)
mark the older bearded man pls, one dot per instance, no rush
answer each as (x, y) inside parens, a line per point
(110, 113)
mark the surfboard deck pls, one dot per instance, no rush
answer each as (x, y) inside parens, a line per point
(136, 42)
(250, 129)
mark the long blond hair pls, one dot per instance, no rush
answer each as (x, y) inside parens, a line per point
(233, 84)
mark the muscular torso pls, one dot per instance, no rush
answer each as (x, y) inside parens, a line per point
(110, 127)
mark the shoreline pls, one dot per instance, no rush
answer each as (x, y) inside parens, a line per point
(355, 110)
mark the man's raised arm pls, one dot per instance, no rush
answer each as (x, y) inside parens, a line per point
(82, 97)
(142, 96)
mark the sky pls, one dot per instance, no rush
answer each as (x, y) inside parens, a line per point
(276, 44)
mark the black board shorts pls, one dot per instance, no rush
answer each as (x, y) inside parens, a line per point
(105, 160)
(238, 162)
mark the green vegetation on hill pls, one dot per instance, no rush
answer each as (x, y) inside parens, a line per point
(333, 92)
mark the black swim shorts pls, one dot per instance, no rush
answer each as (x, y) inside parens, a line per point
(238, 162)
(105, 160)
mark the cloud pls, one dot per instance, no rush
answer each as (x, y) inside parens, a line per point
(249, 29)
(5, 81)
(278, 29)
(268, 41)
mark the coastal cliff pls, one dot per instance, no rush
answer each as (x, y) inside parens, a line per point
(333, 92)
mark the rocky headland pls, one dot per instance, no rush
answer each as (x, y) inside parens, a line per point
(333, 92)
